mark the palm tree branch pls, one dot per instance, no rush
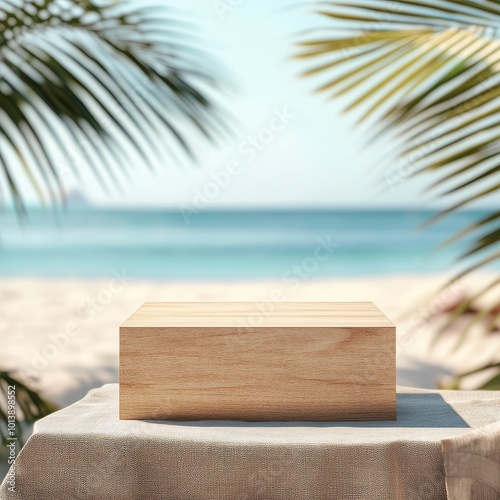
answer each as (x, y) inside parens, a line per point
(485, 221)
(440, 99)
(73, 60)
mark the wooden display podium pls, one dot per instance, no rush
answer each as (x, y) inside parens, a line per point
(293, 361)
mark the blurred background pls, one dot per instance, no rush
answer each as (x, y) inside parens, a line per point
(222, 150)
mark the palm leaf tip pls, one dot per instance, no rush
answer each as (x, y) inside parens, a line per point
(127, 73)
(427, 71)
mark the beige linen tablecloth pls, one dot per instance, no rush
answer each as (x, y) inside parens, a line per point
(85, 452)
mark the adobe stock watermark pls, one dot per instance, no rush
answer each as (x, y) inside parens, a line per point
(260, 481)
(225, 7)
(76, 155)
(379, 23)
(428, 488)
(435, 139)
(447, 298)
(82, 148)
(86, 311)
(11, 438)
(247, 151)
(92, 481)
(291, 280)
(95, 477)
(380, 358)
(409, 163)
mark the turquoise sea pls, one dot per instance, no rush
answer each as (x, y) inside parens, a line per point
(160, 244)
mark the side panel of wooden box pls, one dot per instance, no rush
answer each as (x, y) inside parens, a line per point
(266, 374)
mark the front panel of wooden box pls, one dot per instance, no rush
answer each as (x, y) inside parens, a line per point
(257, 374)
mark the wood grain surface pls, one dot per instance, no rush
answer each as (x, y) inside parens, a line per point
(299, 361)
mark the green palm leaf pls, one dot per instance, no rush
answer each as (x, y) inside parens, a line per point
(428, 72)
(29, 406)
(84, 83)
(91, 81)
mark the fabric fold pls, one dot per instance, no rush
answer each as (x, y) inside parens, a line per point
(472, 464)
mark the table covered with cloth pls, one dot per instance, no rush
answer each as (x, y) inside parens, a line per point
(444, 444)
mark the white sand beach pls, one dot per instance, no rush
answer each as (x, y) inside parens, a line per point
(62, 335)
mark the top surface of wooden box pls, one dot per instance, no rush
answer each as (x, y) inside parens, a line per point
(275, 314)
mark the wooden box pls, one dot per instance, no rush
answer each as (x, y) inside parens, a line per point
(250, 361)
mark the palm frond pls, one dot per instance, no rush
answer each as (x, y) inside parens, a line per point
(493, 384)
(95, 81)
(28, 407)
(428, 72)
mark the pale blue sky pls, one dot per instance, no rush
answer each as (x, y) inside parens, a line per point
(317, 159)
